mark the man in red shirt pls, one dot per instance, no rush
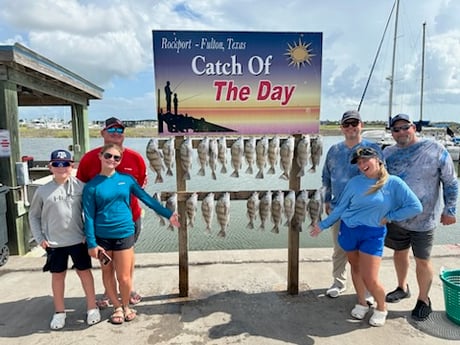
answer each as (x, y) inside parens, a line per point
(132, 163)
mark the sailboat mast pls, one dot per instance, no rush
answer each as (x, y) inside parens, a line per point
(391, 77)
(423, 73)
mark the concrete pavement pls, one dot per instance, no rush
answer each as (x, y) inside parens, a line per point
(235, 297)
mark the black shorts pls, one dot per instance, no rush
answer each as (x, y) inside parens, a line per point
(137, 228)
(116, 243)
(400, 239)
(57, 258)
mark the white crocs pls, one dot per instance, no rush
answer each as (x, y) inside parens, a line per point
(378, 318)
(359, 311)
(93, 316)
(58, 321)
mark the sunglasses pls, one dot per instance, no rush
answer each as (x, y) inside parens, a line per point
(399, 128)
(350, 123)
(118, 130)
(61, 164)
(107, 155)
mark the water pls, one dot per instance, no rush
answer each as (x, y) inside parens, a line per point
(156, 238)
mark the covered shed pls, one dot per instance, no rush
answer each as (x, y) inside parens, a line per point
(29, 79)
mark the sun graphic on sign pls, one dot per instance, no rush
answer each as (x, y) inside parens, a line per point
(299, 54)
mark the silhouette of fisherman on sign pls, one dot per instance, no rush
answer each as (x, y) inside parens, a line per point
(168, 94)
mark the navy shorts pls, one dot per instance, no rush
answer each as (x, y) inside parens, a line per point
(116, 243)
(57, 258)
(399, 238)
(366, 239)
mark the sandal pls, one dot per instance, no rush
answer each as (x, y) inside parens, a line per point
(130, 314)
(359, 311)
(118, 316)
(103, 302)
(378, 318)
(134, 298)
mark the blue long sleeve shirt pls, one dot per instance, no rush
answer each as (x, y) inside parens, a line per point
(106, 206)
(395, 201)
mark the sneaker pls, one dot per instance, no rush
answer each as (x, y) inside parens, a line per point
(378, 318)
(359, 311)
(421, 310)
(397, 295)
(369, 299)
(58, 321)
(335, 290)
(93, 316)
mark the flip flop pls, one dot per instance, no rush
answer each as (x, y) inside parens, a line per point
(134, 298)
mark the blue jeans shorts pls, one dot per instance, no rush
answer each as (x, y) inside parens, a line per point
(366, 239)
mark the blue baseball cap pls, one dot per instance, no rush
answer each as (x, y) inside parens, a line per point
(364, 152)
(61, 155)
(350, 115)
(400, 117)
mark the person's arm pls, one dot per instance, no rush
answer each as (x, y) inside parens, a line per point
(407, 204)
(151, 202)
(89, 211)
(35, 216)
(449, 184)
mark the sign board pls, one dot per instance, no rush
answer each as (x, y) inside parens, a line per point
(210, 82)
(5, 143)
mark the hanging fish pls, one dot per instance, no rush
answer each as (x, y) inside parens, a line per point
(171, 204)
(300, 213)
(223, 213)
(277, 210)
(316, 151)
(169, 155)
(157, 197)
(273, 154)
(303, 154)
(190, 208)
(252, 207)
(186, 154)
(237, 152)
(207, 210)
(213, 154)
(286, 156)
(222, 154)
(315, 207)
(155, 158)
(289, 206)
(250, 154)
(203, 155)
(261, 156)
(265, 205)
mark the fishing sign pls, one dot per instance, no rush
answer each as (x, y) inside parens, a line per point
(237, 82)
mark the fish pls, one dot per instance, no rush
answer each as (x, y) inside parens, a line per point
(286, 156)
(169, 155)
(222, 154)
(157, 197)
(264, 208)
(203, 155)
(273, 154)
(207, 210)
(171, 204)
(261, 156)
(223, 213)
(316, 151)
(250, 154)
(303, 154)
(237, 152)
(213, 154)
(300, 213)
(252, 208)
(155, 158)
(186, 154)
(277, 210)
(289, 206)
(315, 207)
(190, 208)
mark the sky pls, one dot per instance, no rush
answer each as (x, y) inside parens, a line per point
(109, 43)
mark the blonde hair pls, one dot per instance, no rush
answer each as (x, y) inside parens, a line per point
(383, 177)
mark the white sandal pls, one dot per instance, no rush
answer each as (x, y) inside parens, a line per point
(58, 321)
(93, 316)
(359, 311)
(378, 318)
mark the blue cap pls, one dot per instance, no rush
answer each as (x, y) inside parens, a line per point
(350, 115)
(400, 117)
(364, 152)
(61, 155)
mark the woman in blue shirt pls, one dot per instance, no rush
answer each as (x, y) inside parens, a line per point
(109, 227)
(368, 202)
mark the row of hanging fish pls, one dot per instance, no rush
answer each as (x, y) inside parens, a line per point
(261, 156)
(278, 207)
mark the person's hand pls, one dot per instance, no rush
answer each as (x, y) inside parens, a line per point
(174, 219)
(383, 221)
(93, 252)
(44, 244)
(448, 220)
(327, 208)
(315, 230)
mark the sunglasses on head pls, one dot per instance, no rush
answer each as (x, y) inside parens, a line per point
(107, 155)
(61, 164)
(399, 128)
(118, 130)
(347, 124)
